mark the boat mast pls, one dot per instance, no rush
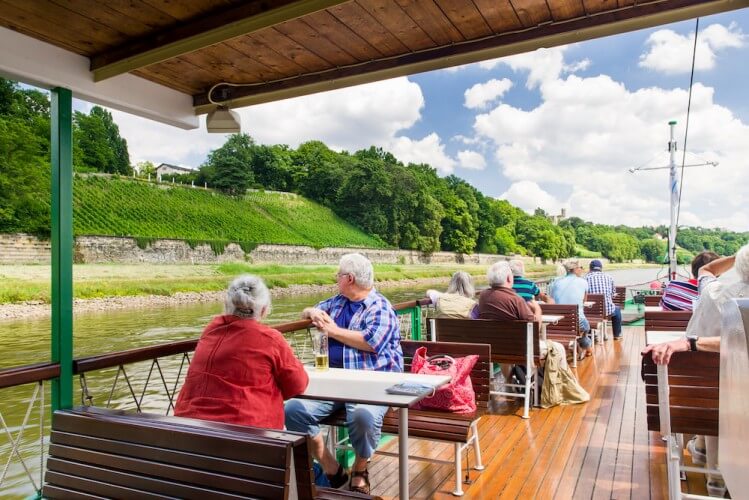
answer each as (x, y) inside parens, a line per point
(673, 182)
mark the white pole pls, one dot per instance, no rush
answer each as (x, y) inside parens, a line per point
(673, 181)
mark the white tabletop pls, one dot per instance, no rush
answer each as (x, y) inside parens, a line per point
(551, 318)
(661, 336)
(653, 309)
(365, 386)
(588, 303)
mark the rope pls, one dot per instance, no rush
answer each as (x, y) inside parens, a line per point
(686, 129)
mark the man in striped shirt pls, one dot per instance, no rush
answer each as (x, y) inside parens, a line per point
(524, 287)
(599, 282)
(682, 295)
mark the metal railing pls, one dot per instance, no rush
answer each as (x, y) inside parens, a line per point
(142, 379)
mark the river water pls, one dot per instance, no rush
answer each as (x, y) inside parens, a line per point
(25, 342)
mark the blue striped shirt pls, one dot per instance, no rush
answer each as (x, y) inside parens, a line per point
(525, 288)
(599, 282)
(378, 323)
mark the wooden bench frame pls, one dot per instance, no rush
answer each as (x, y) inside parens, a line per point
(460, 430)
(621, 297)
(596, 316)
(516, 342)
(675, 321)
(96, 453)
(565, 330)
(682, 397)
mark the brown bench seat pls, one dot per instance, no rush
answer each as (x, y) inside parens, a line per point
(99, 453)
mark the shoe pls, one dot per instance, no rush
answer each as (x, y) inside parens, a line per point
(339, 478)
(716, 489)
(364, 490)
(698, 455)
(618, 337)
(589, 352)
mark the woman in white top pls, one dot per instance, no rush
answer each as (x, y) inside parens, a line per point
(458, 301)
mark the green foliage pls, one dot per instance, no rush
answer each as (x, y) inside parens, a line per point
(619, 247)
(143, 243)
(231, 165)
(131, 208)
(654, 250)
(99, 144)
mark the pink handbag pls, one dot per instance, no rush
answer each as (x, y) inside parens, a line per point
(457, 396)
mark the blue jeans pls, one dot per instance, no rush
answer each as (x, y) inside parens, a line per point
(364, 422)
(616, 322)
(584, 341)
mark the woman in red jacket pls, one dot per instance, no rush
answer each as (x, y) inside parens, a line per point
(242, 370)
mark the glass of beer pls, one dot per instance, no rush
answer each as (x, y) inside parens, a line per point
(320, 349)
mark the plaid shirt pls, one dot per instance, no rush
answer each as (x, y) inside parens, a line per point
(599, 282)
(378, 323)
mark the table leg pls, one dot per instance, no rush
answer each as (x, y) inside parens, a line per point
(403, 453)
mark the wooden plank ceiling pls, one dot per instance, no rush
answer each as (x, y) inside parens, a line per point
(281, 49)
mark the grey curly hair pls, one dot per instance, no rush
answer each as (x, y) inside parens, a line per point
(247, 297)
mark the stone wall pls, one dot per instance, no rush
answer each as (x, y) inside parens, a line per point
(26, 249)
(23, 249)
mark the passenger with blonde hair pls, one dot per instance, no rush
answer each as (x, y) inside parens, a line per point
(458, 301)
(242, 370)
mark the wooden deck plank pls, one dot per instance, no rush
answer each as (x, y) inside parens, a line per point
(601, 449)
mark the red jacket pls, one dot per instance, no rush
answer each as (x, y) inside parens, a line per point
(241, 373)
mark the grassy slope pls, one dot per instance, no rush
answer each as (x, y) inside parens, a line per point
(127, 208)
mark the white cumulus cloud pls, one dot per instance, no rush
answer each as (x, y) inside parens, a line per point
(528, 195)
(483, 94)
(471, 160)
(429, 150)
(671, 53)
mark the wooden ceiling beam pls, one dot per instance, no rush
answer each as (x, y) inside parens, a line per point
(639, 16)
(216, 28)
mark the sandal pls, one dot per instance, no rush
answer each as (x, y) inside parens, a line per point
(364, 490)
(339, 478)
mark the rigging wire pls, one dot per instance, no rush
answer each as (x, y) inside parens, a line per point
(686, 129)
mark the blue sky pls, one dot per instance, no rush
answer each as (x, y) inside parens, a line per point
(557, 128)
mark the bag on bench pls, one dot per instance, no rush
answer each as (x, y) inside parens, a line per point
(458, 395)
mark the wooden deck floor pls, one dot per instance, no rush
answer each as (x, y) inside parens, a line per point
(601, 449)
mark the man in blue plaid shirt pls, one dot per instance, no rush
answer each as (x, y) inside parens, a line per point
(599, 282)
(363, 334)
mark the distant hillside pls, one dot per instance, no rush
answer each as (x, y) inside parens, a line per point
(120, 207)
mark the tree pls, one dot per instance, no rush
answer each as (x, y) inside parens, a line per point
(653, 250)
(230, 166)
(98, 140)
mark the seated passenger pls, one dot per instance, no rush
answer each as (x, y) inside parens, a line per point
(242, 370)
(602, 283)
(703, 334)
(363, 334)
(526, 288)
(571, 289)
(500, 301)
(681, 295)
(458, 301)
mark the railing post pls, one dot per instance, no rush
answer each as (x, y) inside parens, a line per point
(62, 245)
(416, 322)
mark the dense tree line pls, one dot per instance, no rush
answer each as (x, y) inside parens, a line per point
(25, 155)
(404, 205)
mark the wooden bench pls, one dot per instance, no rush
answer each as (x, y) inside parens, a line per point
(596, 316)
(100, 453)
(565, 330)
(514, 342)
(670, 321)
(620, 297)
(652, 300)
(682, 398)
(461, 430)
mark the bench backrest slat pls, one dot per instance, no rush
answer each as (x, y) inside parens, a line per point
(110, 453)
(568, 327)
(653, 300)
(598, 309)
(621, 296)
(480, 375)
(508, 339)
(694, 392)
(667, 320)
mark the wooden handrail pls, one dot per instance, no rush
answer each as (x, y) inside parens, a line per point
(44, 371)
(20, 375)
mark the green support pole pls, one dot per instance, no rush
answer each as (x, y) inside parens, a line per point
(62, 246)
(416, 323)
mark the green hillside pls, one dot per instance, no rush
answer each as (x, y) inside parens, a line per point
(120, 207)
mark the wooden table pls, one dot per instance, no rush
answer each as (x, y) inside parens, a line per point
(588, 303)
(661, 336)
(653, 309)
(368, 387)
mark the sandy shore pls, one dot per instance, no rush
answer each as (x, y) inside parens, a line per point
(29, 310)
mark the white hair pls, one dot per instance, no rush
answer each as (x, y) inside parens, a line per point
(247, 297)
(359, 267)
(498, 273)
(462, 284)
(742, 263)
(518, 267)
